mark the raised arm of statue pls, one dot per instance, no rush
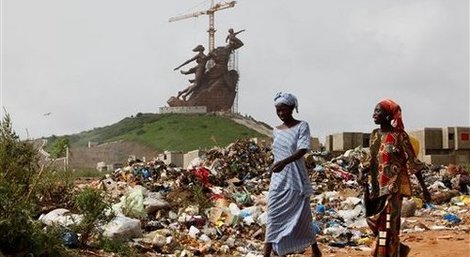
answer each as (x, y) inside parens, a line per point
(199, 49)
(239, 32)
(186, 62)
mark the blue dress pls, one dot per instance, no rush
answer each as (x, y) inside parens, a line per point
(289, 223)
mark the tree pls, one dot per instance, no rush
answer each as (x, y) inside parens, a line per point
(59, 147)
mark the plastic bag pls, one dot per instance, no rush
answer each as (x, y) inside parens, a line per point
(454, 219)
(133, 204)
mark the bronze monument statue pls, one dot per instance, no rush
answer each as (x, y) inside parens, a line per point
(215, 87)
(198, 70)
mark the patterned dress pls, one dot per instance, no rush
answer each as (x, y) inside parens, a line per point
(289, 224)
(393, 159)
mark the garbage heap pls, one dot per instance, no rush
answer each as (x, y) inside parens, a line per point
(217, 206)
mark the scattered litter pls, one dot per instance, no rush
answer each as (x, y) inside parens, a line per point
(217, 206)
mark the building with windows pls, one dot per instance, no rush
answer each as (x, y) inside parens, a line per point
(443, 145)
(437, 145)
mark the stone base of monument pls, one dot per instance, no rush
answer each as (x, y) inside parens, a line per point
(183, 109)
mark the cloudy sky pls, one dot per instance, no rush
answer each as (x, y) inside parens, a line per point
(91, 63)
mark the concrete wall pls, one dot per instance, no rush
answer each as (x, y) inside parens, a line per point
(116, 152)
(329, 143)
(462, 138)
(457, 138)
(430, 141)
(251, 123)
(462, 157)
(316, 146)
(189, 156)
(175, 158)
(443, 145)
(184, 109)
(340, 142)
(438, 159)
(431, 146)
(458, 157)
(432, 138)
(448, 138)
(365, 139)
(347, 140)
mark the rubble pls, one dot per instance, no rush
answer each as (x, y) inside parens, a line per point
(218, 205)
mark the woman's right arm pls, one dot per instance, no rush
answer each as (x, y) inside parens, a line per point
(279, 166)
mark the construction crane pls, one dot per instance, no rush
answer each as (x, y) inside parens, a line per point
(211, 11)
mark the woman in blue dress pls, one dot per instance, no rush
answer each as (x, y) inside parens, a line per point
(289, 225)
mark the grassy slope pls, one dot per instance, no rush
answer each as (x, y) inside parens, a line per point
(175, 132)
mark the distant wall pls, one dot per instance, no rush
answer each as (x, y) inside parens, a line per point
(183, 109)
(110, 153)
(190, 156)
(315, 143)
(253, 124)
(341, 142)
(444, 145)
(172, 157)
(437, 145)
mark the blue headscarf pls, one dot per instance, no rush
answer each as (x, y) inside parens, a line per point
(287, 99)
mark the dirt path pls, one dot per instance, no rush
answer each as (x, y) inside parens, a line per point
(423, 244)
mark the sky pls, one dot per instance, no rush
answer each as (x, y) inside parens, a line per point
(74, 65)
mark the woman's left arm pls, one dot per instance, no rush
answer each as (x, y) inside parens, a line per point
(415, 166)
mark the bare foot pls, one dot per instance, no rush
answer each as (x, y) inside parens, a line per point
(404, 250)
(316, 251)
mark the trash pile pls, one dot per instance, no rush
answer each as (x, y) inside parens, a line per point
(217, 205)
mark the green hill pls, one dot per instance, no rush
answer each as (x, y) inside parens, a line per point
(174, 132)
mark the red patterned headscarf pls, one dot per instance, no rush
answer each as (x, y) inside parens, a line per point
(395, 112)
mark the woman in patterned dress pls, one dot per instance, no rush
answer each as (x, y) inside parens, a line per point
(289, 223)
(393, 160)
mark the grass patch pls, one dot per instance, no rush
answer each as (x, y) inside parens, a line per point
(174, 132)
(88, 173)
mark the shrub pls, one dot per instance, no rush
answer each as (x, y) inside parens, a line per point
(201, 198)
(20, 233)
(56, 189)
(92, 204)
